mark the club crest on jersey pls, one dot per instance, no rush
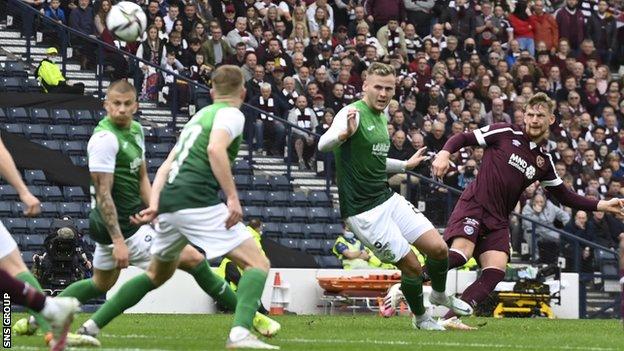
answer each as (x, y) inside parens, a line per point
(469, 230)
(539, 160)
(523, 166)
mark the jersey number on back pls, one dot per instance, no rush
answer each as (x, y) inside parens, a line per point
(187, 139)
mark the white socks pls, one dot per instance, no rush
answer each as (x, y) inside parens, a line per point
(238, 333)
(91, 328)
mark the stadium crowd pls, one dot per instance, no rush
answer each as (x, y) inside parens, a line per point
(461, 64)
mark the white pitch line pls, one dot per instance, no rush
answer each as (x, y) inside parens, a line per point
(437, 343)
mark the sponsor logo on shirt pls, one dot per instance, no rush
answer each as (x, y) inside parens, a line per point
(370, 128)
(135, 165)
(381, 149)
(516, 143)
(523, 166)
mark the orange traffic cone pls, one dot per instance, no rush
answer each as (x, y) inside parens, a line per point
(277, 304)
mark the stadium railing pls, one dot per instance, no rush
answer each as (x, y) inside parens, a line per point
(28, 14)
(417, 191)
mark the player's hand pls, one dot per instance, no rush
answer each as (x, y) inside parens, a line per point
(120, 253)
(32, 206)
(236, 212)
(440, 164)
(351, 125)
(615, 206)
(144, 216)
(416, 158)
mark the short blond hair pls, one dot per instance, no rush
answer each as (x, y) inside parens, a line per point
(227, 80)
(541, 99)
(120, 86)
(380, 69)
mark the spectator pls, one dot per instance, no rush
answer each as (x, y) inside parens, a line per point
(541, 210)
(172, 15)
(151, 50)
(305, 143)
(545, 28)
(217, 50)
(100, 17)
(436, 139)
(380, 12)
(82, 20)
(51, 77)
(240, 34)
(171, 82)
(267, 102)
(601, 29)
(59, 38)
(571, 24)
(579, 228)
(459, 20)
(497, 115)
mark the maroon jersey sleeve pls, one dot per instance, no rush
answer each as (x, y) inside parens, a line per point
(554, 185)
(550, 178)
(486, 136)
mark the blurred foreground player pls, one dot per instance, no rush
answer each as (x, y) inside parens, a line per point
(513, 159)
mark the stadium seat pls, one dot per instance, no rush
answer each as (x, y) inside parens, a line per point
(80, 132)
(14, 128)
(35, 177)
(62, 117)
(73, 209)
(40, 225)
(150, 135)
(32, 86)
(314, 231)
(319, 199)
(12, 84)
(318, 215)
(40, 115)
(57, 132)
(257, 198)
(329, 261)
(18, 115)
(82, 225)
(6, 210)
(86, 208)
(35, 190)
(253, 212)
(84, 118)
(278, 198)
(32, 242)
(327, 246)
(15, 69)
(16, 225)
(293, 230)
(81, 161)
(8, 193)
(274, 214)
(273, 230)
(299, 198)
(154, 163)
(17, 209)
(609, 268)
(334, 214)
(158, 150)
(99, 115)
(602, 255)
(165, 135)
(290, 243)
(242, 167)
(52, 193)
(27, 256)
(297, 214)
(242, 181)
(280, 183)
(3, 116)
(312, 246)
(74, 148)
(333, 230)
(35, 131)
(50, 209)
(52, 144)
(260, 183)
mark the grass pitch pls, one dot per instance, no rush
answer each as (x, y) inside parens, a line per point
(362, 333)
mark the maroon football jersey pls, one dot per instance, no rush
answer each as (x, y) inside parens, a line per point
(511, 163)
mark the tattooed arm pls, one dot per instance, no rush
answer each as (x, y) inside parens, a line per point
(103, 183)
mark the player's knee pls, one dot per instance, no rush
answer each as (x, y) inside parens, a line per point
(439, 251)
(103, 284)
(261, 263)
(190, 259)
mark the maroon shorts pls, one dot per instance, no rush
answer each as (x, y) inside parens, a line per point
(469, 220)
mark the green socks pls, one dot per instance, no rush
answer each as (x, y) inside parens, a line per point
(214, 286)
(27, 277)
(250, 289)
(128, 295)
(84, 290)
(437, 270)
(413, 292)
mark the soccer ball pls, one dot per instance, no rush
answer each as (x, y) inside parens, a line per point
(126, 21)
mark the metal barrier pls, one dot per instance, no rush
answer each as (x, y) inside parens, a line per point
(29, 12)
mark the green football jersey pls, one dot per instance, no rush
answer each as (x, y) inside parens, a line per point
(126, 191)
(191, 183)
(361, 163)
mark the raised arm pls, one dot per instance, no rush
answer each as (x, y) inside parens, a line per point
(343, 127)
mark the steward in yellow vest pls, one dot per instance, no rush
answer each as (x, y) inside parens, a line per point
(51, 77)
